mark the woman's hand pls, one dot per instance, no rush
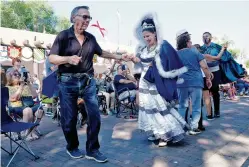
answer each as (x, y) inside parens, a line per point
(15, 97)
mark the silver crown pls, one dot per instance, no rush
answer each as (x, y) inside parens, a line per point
(145, 26)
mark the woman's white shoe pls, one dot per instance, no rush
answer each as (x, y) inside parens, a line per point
(162, 143)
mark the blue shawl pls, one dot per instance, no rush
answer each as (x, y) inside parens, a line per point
(164, 72)
(230, 69)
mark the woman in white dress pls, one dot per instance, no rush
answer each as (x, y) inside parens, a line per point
(160, 67)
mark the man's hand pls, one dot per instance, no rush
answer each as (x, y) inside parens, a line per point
(53, 67)
(80, 101)
(74, 60)
(125, 57)
(208, 83)
(128, 57)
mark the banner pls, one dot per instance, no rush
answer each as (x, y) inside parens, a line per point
(27, 54)
(39, 55)
(14, 52)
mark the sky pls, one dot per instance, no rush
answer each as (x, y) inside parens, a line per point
(221, 18)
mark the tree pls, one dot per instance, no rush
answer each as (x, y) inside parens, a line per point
(30, 15)
(62, 24)
(225, 39)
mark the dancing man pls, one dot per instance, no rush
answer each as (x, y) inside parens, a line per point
(73, 52)
(226, 67)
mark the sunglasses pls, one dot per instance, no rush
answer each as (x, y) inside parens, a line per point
(85, 17)
(16, 74)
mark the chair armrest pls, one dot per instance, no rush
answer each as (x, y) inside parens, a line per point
(124, 89)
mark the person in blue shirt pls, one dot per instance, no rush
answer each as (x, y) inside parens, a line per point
(242, 87)
(206, 93)
(193, 84)
(122, 82)
(49, 66)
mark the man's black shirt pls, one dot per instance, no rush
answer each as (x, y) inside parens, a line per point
(66, 44)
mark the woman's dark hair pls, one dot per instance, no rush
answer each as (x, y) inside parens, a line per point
(149, 22)
(182, 41)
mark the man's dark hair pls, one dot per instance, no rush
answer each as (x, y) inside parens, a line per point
(182, 41)
(207, 33)
(75, 11)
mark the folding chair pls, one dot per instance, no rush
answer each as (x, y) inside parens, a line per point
(101, 100)
(18, 118)
(126, 103)
(8, 126)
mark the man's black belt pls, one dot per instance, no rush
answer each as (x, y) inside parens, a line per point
(76, 75)
(86, 77)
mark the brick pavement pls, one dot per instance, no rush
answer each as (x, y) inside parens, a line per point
(225, 143)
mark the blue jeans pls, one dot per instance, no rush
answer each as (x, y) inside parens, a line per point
(195, 94)
(70, 89)
(243, 87)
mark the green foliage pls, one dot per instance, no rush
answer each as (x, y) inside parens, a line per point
(247, 64)
(31, 15)
(62, 24)
(234, 51)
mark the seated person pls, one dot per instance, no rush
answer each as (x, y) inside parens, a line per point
(102, 90)
(230, 89)
(232, 92)
(242, 87)
(246, 78)
(21, 101)
(123, 81)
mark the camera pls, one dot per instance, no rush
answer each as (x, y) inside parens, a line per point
(25, 76)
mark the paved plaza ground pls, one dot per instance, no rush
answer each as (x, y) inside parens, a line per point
(225, 143)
